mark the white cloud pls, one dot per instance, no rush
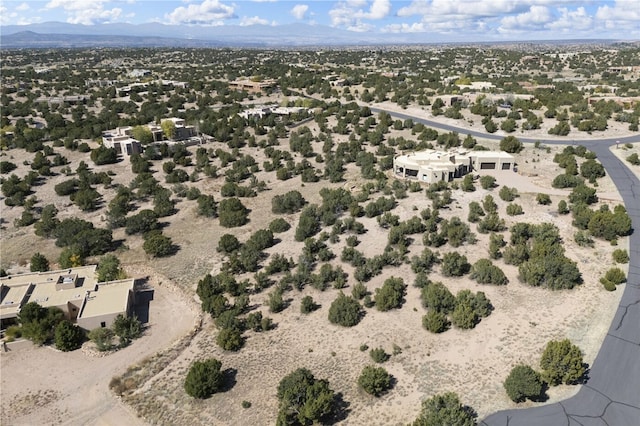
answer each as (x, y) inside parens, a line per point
(6, 17)
(619, 17)
(378, 10)
(86, 12)
(254, 20)
(350, 13)
(572, 20)
(535, 18)
(209, 12)
(299, 11)
(22, 7)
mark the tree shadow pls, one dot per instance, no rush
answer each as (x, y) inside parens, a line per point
(585, 376)
(543, 397)
(228, 379)
(340, 410)
(470, 411)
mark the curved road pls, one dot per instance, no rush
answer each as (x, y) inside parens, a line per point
(611, 395)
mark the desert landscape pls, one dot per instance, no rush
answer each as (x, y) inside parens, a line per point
(144, 382)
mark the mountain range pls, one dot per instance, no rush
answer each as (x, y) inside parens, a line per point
(59, 34)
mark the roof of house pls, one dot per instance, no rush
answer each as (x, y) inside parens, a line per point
(107, 298)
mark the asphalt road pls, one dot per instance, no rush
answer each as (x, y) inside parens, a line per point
(611, 395)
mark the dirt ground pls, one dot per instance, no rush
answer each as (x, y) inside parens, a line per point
(473, 363)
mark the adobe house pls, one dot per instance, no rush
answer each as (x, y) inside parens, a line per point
(75, 291)
(431, 166)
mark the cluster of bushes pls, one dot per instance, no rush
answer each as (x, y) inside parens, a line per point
(561, 362)
(303, 399)
(485, 272)
(602, 223)
(230, 318)
(612, 278)
(541, 262)
(465, 310)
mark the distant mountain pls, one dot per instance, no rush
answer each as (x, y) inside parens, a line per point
(157, 34)
(59, 34)
(29, 39)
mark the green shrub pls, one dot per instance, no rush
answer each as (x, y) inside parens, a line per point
(485, 272)
(68, 337)
(620, 256)
(38, 263)
(583, 239)
(391, 294)
(379, 355)
(487, 182)
(345, 311)
(102, 337)
(511, 144)
(204, 378)
(308, 305)
(616, 276)
(508, 194)
(608, 285)
(543, 199)
(279, 225)
(230, 339)
(435, 322)
(445, 409)
(303, 399)
(523, 382)
(228, 244)
(514, 209)
(232, 213)
(562, 362)
(276, 302)
(562, 207)
(374, 380)
(634, 159)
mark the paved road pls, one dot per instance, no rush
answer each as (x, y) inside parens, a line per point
(611, 396)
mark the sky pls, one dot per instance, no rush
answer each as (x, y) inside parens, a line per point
(476, 19)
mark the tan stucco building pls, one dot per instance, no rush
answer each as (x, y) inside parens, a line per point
(431, 166)
(75, 291)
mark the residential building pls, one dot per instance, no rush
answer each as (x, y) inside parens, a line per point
(431, 166)
(75, 291)
(122, 140)
(251, 86)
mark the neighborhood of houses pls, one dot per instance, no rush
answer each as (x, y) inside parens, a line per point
(76, 291)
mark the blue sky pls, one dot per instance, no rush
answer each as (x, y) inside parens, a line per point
(476, 19)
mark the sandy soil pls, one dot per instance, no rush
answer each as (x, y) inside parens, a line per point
(473, 363)
(623, 151)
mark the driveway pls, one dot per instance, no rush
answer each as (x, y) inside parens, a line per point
(611, 396)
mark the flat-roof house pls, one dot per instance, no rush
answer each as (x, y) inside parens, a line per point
(431, 166)
(121, 140)
(251, 86)
(75, 291)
